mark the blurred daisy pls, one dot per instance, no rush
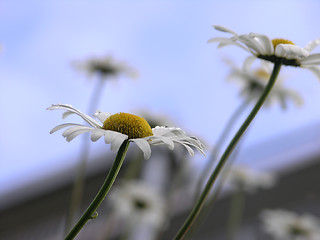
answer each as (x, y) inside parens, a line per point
(106, 67)
(140, 203)
(286, 225)
(119, 127)
(277, 50)
(248, 179)
(253, 82)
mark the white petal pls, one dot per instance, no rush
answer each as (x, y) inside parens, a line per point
(115, 138)
(224, 29)
(313, 59)
(66, 114)
(166, 140)
(290, 51)
(191, 152)
(71, 109)
(144, 146)
(71, 130)
(266, 43)
(63, 126)
(117, 142)
(102, 116)
(96, 134)
(252, 43)
(226, 42)
(76, 133)
(312, 45)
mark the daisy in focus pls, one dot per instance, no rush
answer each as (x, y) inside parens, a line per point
(120, 127)
(277, 50)
(286, 225)
(254, 80)
(105, 67)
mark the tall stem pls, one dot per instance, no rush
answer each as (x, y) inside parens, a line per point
(89, 213)
(199, 204)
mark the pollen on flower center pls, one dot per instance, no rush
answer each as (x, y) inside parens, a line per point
(277, 41)
(128, 124)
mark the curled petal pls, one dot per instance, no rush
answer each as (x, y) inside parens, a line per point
(76, 132)
(71, 109)
(162, 139)
(115, 139)
(266, 43)
(96, 134)
(63, 126)
(144, 146)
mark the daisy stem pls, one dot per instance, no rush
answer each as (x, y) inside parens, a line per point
(90, 212)
(199, 204)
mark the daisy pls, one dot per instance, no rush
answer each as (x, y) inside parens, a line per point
(286, 225)
(277, 50)
(119, 127)
(243, 177)
(254, 80)
(106, 67)
(140, 203)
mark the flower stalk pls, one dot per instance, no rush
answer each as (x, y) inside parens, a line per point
(199, 204)
(90, 212)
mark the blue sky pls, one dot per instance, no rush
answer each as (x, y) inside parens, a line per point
(180, 74)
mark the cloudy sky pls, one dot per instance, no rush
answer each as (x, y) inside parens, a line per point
(180, 74)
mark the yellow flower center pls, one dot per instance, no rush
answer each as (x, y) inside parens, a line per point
(131, 125)
(278, 41)
(262, 73)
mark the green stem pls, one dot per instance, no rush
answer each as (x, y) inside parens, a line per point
(199, 204)
(89, 213)
(214, 154)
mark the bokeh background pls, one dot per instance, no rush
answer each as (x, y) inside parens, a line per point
(180, 74)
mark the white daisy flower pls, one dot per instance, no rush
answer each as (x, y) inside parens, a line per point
(286, 225)
(277, 50)
(119, 127)
(106, 67)
(140, 203)
(254, 80)
(248, 179)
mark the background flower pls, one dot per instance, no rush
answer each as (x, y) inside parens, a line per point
(286, 225)
(243, 177)
(252, 81)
